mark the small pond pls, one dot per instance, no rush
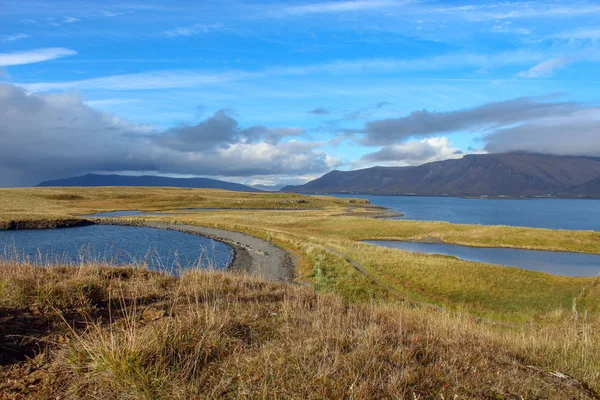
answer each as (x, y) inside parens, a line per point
(555, 263)
(158, 249)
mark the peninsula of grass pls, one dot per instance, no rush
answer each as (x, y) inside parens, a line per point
(472, 330)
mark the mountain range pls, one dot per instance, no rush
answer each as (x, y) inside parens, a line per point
(510, 174)
(126, 180)
(269, 188)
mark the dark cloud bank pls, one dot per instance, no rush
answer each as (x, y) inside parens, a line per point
(319, 111)
(58, 135)
(537, 125)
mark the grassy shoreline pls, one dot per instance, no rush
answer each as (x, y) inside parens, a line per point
(339, 225)
(547, 322)
(106, 332)
(354, 219)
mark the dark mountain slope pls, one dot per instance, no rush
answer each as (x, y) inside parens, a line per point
(126, 180)
(473, 175)
(585, 189)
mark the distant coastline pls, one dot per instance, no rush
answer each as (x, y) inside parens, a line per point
(475, 197)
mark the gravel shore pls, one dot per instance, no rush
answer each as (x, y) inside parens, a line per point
(252, 255)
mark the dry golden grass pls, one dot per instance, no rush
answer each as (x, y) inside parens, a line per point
(503, 293)
(332, 226)
(44, 203)
(129, 333)
(101, 332)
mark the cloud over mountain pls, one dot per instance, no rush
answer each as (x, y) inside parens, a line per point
(481, 118)
(576, 134)
(56, 135)
(537, 125)
(414, 152)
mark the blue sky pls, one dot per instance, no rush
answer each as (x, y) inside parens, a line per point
(265, 92)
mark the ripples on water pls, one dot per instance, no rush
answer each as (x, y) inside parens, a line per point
(157, 249)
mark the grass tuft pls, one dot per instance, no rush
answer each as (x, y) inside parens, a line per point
(131, 333)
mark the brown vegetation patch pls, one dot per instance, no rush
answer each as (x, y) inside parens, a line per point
(43, 224)
(101, 332)
(62, 196)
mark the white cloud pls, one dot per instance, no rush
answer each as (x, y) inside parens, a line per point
(62, 136)
(192, 30)
(545, 69)
(338, 6)
(482, 118)
(34, 56)
(111, 102)
(187, 78)
(575, 134)
(111, 14)
(413, 152)
(443, 61)
(141, 81)
(520, 10)
(579, 34)
(13, 37)
(507, 27)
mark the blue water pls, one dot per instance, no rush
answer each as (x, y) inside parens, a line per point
(158, 249)
(534, 213)
(556, 263)
(125, 213)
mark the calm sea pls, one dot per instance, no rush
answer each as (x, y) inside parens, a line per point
(534, 213)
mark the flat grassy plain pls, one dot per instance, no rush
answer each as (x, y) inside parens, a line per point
(325, 232)
(60, 203)
(374, 323)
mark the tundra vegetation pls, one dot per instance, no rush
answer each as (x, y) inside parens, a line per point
(359, 321)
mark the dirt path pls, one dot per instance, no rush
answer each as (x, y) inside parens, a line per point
(252, 255)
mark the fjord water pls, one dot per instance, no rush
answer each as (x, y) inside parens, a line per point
(571, 214)
(555, 263)
(159, 249)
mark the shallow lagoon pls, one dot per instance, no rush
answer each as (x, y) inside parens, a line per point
(159, 249)
(556, 263)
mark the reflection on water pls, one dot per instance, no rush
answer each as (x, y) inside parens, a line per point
(158, 249)
(556, 263)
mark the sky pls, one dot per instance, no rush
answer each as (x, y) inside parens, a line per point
(265, 92)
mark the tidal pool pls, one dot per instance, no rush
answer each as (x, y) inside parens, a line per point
(158, 249)
(551, 262)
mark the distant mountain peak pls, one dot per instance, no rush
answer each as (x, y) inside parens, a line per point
(506, 174)
(147, 180)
